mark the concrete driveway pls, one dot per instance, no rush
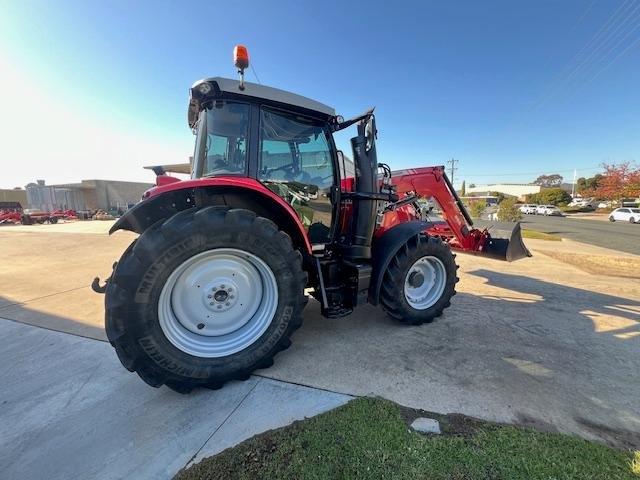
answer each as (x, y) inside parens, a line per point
(535, 342)
(68, 412)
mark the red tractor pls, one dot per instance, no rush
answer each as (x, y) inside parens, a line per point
(214, 286)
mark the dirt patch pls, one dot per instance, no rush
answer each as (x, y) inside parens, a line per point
(252, 456)
(452, 424)
(528, 421)
(626, 267)
(614, 437)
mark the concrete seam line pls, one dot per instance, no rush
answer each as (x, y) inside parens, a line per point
(52, 329)
(222, 424)
(44, 296)
(307, 386)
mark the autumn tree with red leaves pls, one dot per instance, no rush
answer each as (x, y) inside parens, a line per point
(617, 182)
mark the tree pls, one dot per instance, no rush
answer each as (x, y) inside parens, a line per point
(472, 185)
(617, 182)
(476, 208)
(463, 190)
(553, 180)
(585, 185)
(550, 196)
(508, 211)
(554, 196)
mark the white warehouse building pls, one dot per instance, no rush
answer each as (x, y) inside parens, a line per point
(518, 190)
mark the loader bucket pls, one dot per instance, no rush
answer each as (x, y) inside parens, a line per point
(505, 242)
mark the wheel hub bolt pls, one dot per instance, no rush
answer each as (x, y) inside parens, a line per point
(200, 326)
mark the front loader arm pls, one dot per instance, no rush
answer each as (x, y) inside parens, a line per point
(457, 228)
(427, 182)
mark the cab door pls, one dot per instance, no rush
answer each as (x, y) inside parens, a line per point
(296, 160)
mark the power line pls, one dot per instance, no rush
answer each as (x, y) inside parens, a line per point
(584, 15)
(530, 173)
(616, 37)
(585, 55)
(620, 54)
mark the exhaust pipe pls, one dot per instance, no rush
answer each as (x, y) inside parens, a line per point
(505, 242)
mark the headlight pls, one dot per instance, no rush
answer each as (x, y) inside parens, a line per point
(204, 88)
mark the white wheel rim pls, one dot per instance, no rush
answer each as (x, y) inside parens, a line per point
(218, 302)
(425, 282)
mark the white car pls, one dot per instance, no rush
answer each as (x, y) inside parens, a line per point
(528, 209)
(631, 215)
(548, 210)
(581, 203)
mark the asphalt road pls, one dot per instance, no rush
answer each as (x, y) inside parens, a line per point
(620, 236)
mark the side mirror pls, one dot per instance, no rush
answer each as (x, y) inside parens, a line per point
(370, 133)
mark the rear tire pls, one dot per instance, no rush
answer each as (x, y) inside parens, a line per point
(420, 281)
(135, 305)
(632, 220)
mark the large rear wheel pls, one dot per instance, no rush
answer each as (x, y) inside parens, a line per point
(204, 297)
(420, 281)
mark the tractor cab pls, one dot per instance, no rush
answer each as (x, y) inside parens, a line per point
(278, 138)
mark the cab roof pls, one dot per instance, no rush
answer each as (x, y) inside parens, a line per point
(226, 87)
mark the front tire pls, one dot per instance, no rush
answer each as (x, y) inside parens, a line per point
(420, 281)
(165, 312)
(611, 219)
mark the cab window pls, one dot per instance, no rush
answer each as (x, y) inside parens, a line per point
(221, 146)
(295, 161)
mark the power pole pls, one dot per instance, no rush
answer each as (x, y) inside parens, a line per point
(453, 169)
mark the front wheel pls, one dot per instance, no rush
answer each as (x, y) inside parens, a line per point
(420, 281)
(632, 220)
(611, 219)
(206, 296)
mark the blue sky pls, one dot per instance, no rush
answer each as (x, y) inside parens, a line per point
(511, 89)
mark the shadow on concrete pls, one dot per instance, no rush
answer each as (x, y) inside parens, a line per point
(21, 313)
(583, 342)
(616, 317)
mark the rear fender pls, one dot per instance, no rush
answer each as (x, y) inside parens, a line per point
(250, 195)
(385, 248)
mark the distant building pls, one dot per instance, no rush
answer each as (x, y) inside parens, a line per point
(86, 195)
(9, 197)
(518, 190)
(490, 200)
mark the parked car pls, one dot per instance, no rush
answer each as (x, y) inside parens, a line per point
(548, 210)
(631, 215)
(528, 209)
(581, 203)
